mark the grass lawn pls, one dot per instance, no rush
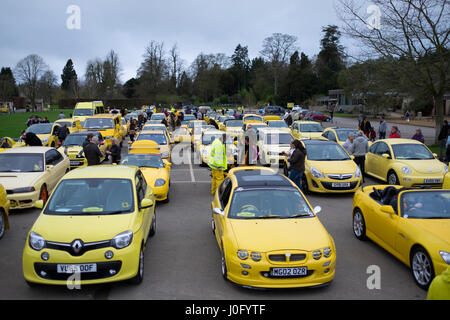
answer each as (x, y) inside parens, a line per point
(342, 115)
(12, 125)
(434, 148)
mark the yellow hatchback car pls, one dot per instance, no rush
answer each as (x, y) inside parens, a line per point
(94, 229)
(73, 148)
(307, 130)
(328, 168)
(268, 234)
(411, 224)
(405, 162)
(109, 125)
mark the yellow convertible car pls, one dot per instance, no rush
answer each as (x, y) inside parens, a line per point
(73, 148)
(46, 132)
(306, 130)
(4, 211)
(6, 143)
(155, 170)
(404, 162)
(411, 224)
(268, 234)
(328, 168)
(30, 174)
(94, 229)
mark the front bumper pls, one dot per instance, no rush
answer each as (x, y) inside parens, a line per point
(124, 265)
(23, 200)
(258, 275)
(417, 181)
(325, 185)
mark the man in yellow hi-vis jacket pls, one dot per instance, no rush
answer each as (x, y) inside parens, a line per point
(217, 161)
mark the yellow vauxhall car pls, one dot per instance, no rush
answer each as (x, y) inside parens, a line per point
(4, 211)
(306, 130)
(411, 224)
(109, 125)
(328, 168)
(268, 234)
(405, 162)
(94, 229)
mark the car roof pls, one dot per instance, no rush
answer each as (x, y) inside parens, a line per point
(28, 150)
(103, 171)
(152, 132)
(401, 141)
(259, 177)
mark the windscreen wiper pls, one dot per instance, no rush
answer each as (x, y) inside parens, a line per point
(270, 217)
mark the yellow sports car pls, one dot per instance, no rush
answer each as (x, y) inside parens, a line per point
(46, 132)
(271, 143)
(30, 174)
(404, 162)
(248, 118)
(4, 211)
(328, 168)
(268, 234)
(306, 130)
(204, 146)
(160, 137)
(158, 127)
(411, 224)
(155, 170)
(94, 229)
(279, 125)
(73, 148)
(340, 135)
(181, 135)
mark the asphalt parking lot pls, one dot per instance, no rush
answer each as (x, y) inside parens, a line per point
(183, 262)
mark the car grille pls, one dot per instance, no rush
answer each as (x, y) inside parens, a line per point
(49, 271)
(67, 247)
(267, 274)
(328, 186)
(283, 258)
(340, 176)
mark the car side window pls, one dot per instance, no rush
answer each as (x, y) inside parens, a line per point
(57, 157)
(226, 195)
(325, 134)
(373, 148)
(382, 149)
(222, 188)
(50, 158)
(140, 191)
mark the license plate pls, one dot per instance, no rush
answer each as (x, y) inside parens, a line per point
(433, 181)
(340, 184)
(74, 163)
(77, 268)
(289, 272)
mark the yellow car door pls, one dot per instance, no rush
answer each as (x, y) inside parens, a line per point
(141, 192)
(384, 223)
(53, 171)
(382, 162)
(221, 201)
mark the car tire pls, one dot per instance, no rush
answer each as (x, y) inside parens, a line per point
(43, 194)
(153, 226)
(2, 224)
(167, 199)
(359, 225)
(422, 267)
(392, 178)
(140, 273)
(223, 266)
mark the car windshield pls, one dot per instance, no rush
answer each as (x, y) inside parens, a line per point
(425, 204)
(411, 152)
(98, 123)
(276, 138)
(91, 197)
(278, 124)
(181, 131)
(326, 152)
(189, 117)
(83, 112)
(311, 127)
(124, 121)
(143, 160)
(209, 138)
(234, 124)
(66, 123)
(343, 134)
(154, 128)
(268, 203)
(158, 117)
(253, 118)
(21, 162)
(197, 124)
(41, 128)
(158, 138)
(223, 119)
(74, 140)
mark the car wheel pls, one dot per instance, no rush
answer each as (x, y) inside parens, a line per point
(422, 268)
(2, 225)
(167, 199)
(43, 195)
(153, 227)
(140, 273)
(359, 225)
(223, 266)
(393, 178)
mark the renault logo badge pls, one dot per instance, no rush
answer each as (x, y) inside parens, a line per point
(77, 245)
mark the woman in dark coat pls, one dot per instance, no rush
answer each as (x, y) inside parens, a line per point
(296, 159)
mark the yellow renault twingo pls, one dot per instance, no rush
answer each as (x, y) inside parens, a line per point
(95, 226)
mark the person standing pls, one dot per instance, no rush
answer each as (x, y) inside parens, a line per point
(382, 129)
(365, 126)
(115, 151)
(448, 148)
(63, 132)
(92, 152)
(61, 116)
(443, 134)
(250, 152)
(349, 143)
(359, 149)
(88, 140)
(296, 159)
(419, 136)
(395, 133)
(217, 161)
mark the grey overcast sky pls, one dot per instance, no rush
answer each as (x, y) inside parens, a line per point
(127, 27)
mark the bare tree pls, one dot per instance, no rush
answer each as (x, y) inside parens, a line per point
(154, 70)
(28, 71)
(47, 86)
(416, 32)
(277, 49)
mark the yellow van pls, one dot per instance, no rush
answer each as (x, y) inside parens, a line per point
(87, 109)
(109, 125)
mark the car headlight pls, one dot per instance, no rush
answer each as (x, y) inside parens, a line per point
(23, 190)
(165, 154)
(446, 256)
(122, 240)
(316, 173)
(317, 254)
(160, 182)
(80, 154)
(242, 254)
(358, 172)
(256, 256)
(36, 241)
(327, 252)
(406, 170)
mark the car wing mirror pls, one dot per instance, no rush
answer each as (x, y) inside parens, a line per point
(386, 156)
(317, 209)
(219, 212)
(146, 203)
